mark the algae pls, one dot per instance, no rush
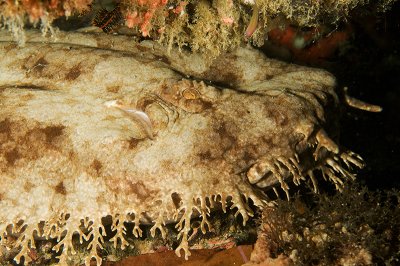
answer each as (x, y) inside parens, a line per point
(210, 27)
(355, 227)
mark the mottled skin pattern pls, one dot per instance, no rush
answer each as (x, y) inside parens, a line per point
(70, 154)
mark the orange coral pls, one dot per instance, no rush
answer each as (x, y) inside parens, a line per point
(311, 46)
(144, 14)
(36, 10)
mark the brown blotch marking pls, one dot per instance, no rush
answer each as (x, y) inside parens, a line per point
(215, 181)
(113, 89)
(225, 134)
(105, 56)
(40, 64)
(223, 71)
(27, 97)
(132, 143)
(166, 164)
(205, 156)
(97, 165)
(284, 121)
(52, 132)
(73, 73)
(140, 190)
(60, 188)
(176, 199)
(26, 62)
(247, 157)
(28, 186)
(5, 127)
(224, 143)
(207, 105)
(100, 199)
(273, 112)
(12, 156)
(71, 155)
(163, 59)
(9, 47)
(210, 156)
(268, 140)
(265, 76)
(111, 118)
(36, 67)
(280, 118)
(19, 142)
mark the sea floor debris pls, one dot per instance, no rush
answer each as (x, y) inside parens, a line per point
(98, 132)
(355, 227)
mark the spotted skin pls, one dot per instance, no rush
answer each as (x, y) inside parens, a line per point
(68, 157)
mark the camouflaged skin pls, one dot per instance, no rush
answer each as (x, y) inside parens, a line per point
(95, 126)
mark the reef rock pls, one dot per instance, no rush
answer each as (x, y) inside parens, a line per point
(95, 126)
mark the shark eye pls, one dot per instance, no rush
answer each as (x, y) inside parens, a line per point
(186, 95)
(190, 94)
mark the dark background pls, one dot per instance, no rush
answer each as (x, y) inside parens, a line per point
(363, 52)
(371, 71)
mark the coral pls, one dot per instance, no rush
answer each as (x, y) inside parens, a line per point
(355, 227)
(15, 14)
(208, 27)
(144, 13)
(313, 45)
(214, 35)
